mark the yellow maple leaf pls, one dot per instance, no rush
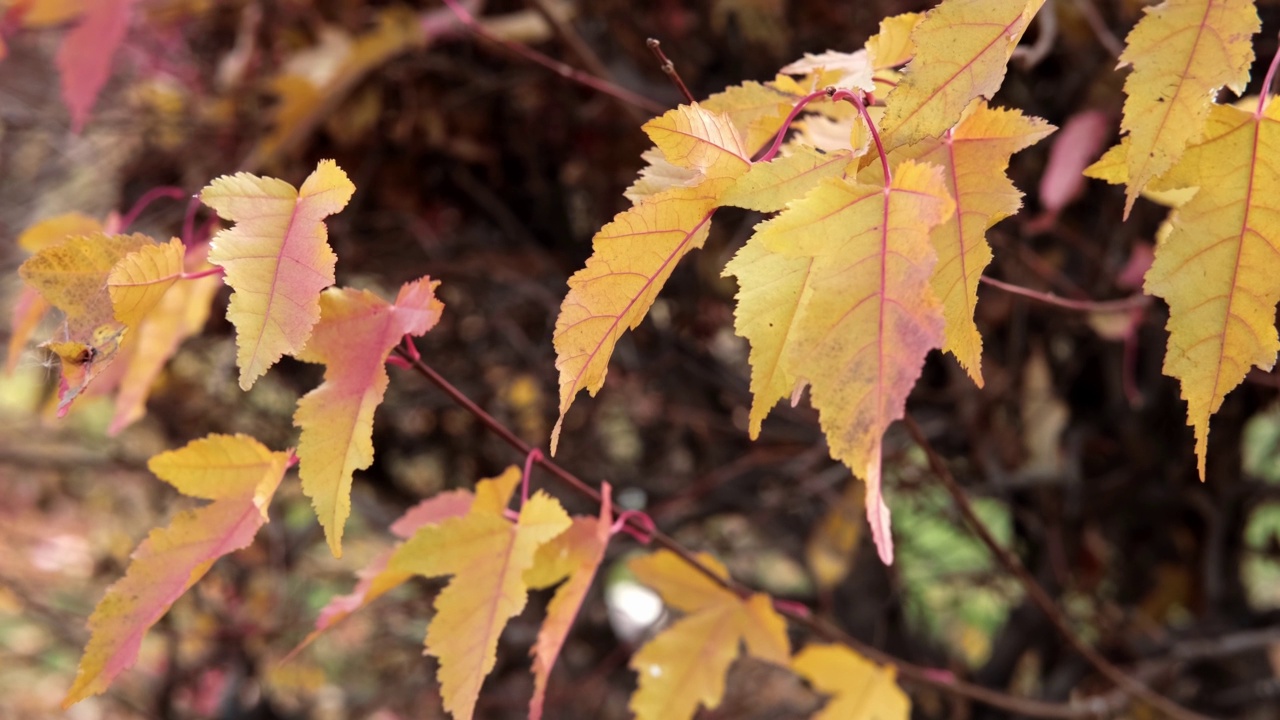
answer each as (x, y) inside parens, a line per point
(829, 552)
(575, 554)
(1182, 53)
(756, 110)
(771, 288)
(30, 308)
(277, 259)
(859, 689)
(240, 476)
(867, 315)
(974, 156)
(487, 556)
(71, 276)
(962, 49)
(684, 666)
(1113, 167)
(142, 277)
(892, 45)
(356, 333)
(179, 314)
(635, 254)
(769, 186)
(1216, 269)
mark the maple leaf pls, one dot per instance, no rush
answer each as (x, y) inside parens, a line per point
(684, 666)
(1216, 267)
(356, 333)
(962, 49)
(576, 554)
(974, 156)
(892, 45)
(756, 110)
(850, 70)
(376, 580)
(141, 278)
(769, 186)
(636, 253)
(277, 259)
(860, 689)
(487, 556)
(30, 308)
(240, 476)
(180, 313)
(865, 314)
(1113, 167)
(72, 277)
(1182, 52)
(84, 58)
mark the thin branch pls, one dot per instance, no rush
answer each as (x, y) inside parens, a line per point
(669, 68)
(912, 674)
(150, 196)
(1129, 303)
(1013, 565)
(564, 71)
(1108, 39)
(579, 47)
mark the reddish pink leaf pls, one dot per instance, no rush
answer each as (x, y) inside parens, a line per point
(84, 59)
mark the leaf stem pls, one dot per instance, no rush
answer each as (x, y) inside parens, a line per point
(1013, 565)
(852, 97)
(669, 68)
(202, 273)
(1265, 94)
(786, 125)
(150, 196)
(914, 674)
(1129, 303)
(555, 66)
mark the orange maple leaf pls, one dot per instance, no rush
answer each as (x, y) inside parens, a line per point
(487, 556)
(240, 476)
(684, 666)
(277, 259)
(356, 333)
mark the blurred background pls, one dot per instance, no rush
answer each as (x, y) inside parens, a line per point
(491, 173)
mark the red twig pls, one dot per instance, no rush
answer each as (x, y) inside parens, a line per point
(856, 99)
(910, 673)
(559, 68)
(786, 125)
(534, 456)
(1265, 94)
(1129, 303)
(201, 273)
(150, 196)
